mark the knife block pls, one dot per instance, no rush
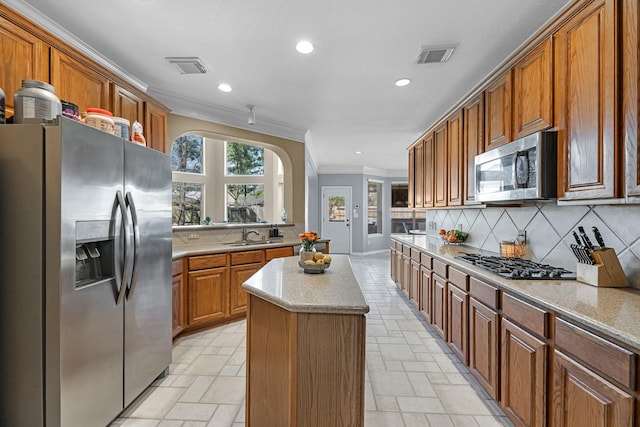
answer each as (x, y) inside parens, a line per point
(606, 272)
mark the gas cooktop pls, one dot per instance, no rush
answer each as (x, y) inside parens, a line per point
(516, 268)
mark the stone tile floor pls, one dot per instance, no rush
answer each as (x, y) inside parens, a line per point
(412, 379)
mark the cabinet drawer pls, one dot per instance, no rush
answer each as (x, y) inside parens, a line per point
(207, 261)
(484, 292)
(406, 250)
(176, 267)
(440, 268)
(532, 318)
(459, 279)
(415, 255)
(610, 359)
(247, 257)
(278, 253)
(426, 260)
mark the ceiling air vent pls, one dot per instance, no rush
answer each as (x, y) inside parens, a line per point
(430, 54)
(188, 65)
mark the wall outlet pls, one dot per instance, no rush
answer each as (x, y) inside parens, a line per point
(193, 236)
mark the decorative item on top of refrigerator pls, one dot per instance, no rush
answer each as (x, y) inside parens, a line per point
(123, 127)
(70, 110)
(36, 100)
(137, 133)
(100, 119)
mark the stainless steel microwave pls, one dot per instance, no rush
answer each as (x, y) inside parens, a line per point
(524, 169)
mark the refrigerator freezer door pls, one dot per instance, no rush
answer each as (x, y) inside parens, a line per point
(85, 169)
(147, 330)
(21, 275)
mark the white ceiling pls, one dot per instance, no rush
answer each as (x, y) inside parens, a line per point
(341, 98)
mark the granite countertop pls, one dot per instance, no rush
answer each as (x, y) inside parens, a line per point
(283, 283)
(613, 311)
(212, 248)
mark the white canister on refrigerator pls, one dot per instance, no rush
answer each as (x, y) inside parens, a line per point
(36, 100)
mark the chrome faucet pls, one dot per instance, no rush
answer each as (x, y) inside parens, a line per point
(245, 233)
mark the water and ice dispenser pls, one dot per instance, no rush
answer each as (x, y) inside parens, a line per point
(94, 252)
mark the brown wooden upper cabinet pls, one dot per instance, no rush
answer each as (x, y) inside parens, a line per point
(586, 103)
(155, 127)
(630, 89)
(473, 144)
(76, 82)
(412, 178)
(533, 91)
(440, 166)
(418, 185)
(23, 57)
(455, 149)
(127, 105)
(498, 111)
(428, 168)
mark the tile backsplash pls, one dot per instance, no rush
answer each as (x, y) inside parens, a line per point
(548, 229)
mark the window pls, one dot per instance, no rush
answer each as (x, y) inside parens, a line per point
(187, 203)
(216, 181)
(245, 202)
(244, 160)
(374, 207)
(187, 154)
(336, 209)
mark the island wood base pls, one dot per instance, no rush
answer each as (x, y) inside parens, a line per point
(304, 369)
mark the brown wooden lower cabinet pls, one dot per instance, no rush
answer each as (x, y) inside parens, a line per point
(208, 296)
(425, 293)
(414, 288)
(523, 376)
(439, 306)
(483, 346)
(177, 294)
(399, 267)
(213, 292)
(239, 275)
(405, 284)
(581, 398)
(392, 269)
(457, 324)
(543, 369)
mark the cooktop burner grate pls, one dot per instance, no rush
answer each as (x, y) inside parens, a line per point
(516, 268)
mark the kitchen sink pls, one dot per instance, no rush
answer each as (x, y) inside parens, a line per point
(248, 242)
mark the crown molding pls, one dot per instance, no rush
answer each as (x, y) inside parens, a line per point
(60, 32)
(227, 116)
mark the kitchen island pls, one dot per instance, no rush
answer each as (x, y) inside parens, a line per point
(305, 346)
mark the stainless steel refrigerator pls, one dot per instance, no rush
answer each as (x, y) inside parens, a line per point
(85, 269)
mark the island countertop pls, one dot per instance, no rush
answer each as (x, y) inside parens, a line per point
(283, 283)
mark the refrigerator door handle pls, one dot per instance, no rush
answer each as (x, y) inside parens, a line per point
(127, 244)
(136, 243)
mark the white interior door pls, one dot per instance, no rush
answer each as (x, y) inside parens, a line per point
(336, 218)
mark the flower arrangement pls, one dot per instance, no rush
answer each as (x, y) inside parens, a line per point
(309, 238)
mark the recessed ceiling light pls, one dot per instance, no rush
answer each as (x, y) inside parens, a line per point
(403, 82)
(358, 152)
(304, 47)
(224, 87)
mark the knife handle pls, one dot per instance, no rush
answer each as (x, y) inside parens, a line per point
(575, 236)
(598, 236)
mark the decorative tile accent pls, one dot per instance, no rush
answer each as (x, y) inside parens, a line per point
(549, 230)
(623, 221)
